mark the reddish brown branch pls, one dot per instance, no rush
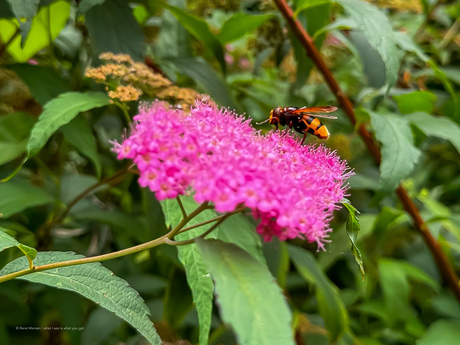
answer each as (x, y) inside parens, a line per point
(447, 271)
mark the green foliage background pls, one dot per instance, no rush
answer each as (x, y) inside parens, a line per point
(399, 63)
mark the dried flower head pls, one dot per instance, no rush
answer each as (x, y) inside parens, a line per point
(292, 189)
(125, 93)
(127, 75)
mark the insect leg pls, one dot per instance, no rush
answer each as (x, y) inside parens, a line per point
(304, 136)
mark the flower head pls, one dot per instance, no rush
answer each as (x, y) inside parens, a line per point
(292, 189)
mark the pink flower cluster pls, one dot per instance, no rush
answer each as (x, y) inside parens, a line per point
(293, 189)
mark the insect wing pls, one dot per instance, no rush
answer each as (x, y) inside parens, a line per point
(324, 116)
(315, 110)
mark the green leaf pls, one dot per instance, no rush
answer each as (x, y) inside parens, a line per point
(59, 112)
(24, 10)
(330, 305)
(20, 195)
(122, 223)
(315, 18)
(96, 283)
(7, 241)
(199, 29)
(14, 134)
(113, 28)
(406, 43)
(304, 4)
(399, 154)
(353, 228)
(437, 126)
(373, 65)
(85, 5)
(416, 101)
(338, 24)
(43, 82)
(173, 39)
(441, 332)
(79, 134)
(240, 25)
(101, 323)
(198, 276)
(394, 278)
(177, 300)
(277, 256)
(238, 230)
(250, 301)
(45, 27)
(5, 9)
(386, 219)
(204, 75)
(375, 26)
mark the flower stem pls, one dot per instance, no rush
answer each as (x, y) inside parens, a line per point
(124, 109)
(148, 245)
(210, 220)
(181, 205)
(219, 220)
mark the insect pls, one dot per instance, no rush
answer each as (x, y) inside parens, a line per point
(303, 120)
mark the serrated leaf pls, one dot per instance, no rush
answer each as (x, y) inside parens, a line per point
(198, 277)
(199, 29)
(46, 26)
(240, 25)
(96, 283)
(375, 26)
(20, 195)
(249, 299)
(437, 126)
(44, 83)
(59, 112)
(353, 228)
(7, 241)
(399, 154)
(113, 28)
(56, 114)
(79, 134)
(330, 305)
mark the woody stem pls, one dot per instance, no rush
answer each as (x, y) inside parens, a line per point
(445, 267)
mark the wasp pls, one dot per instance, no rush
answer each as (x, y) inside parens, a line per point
(302, 120)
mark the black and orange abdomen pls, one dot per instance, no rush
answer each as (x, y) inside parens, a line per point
(313, 126)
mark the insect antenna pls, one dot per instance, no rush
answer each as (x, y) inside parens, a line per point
(261, 123)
